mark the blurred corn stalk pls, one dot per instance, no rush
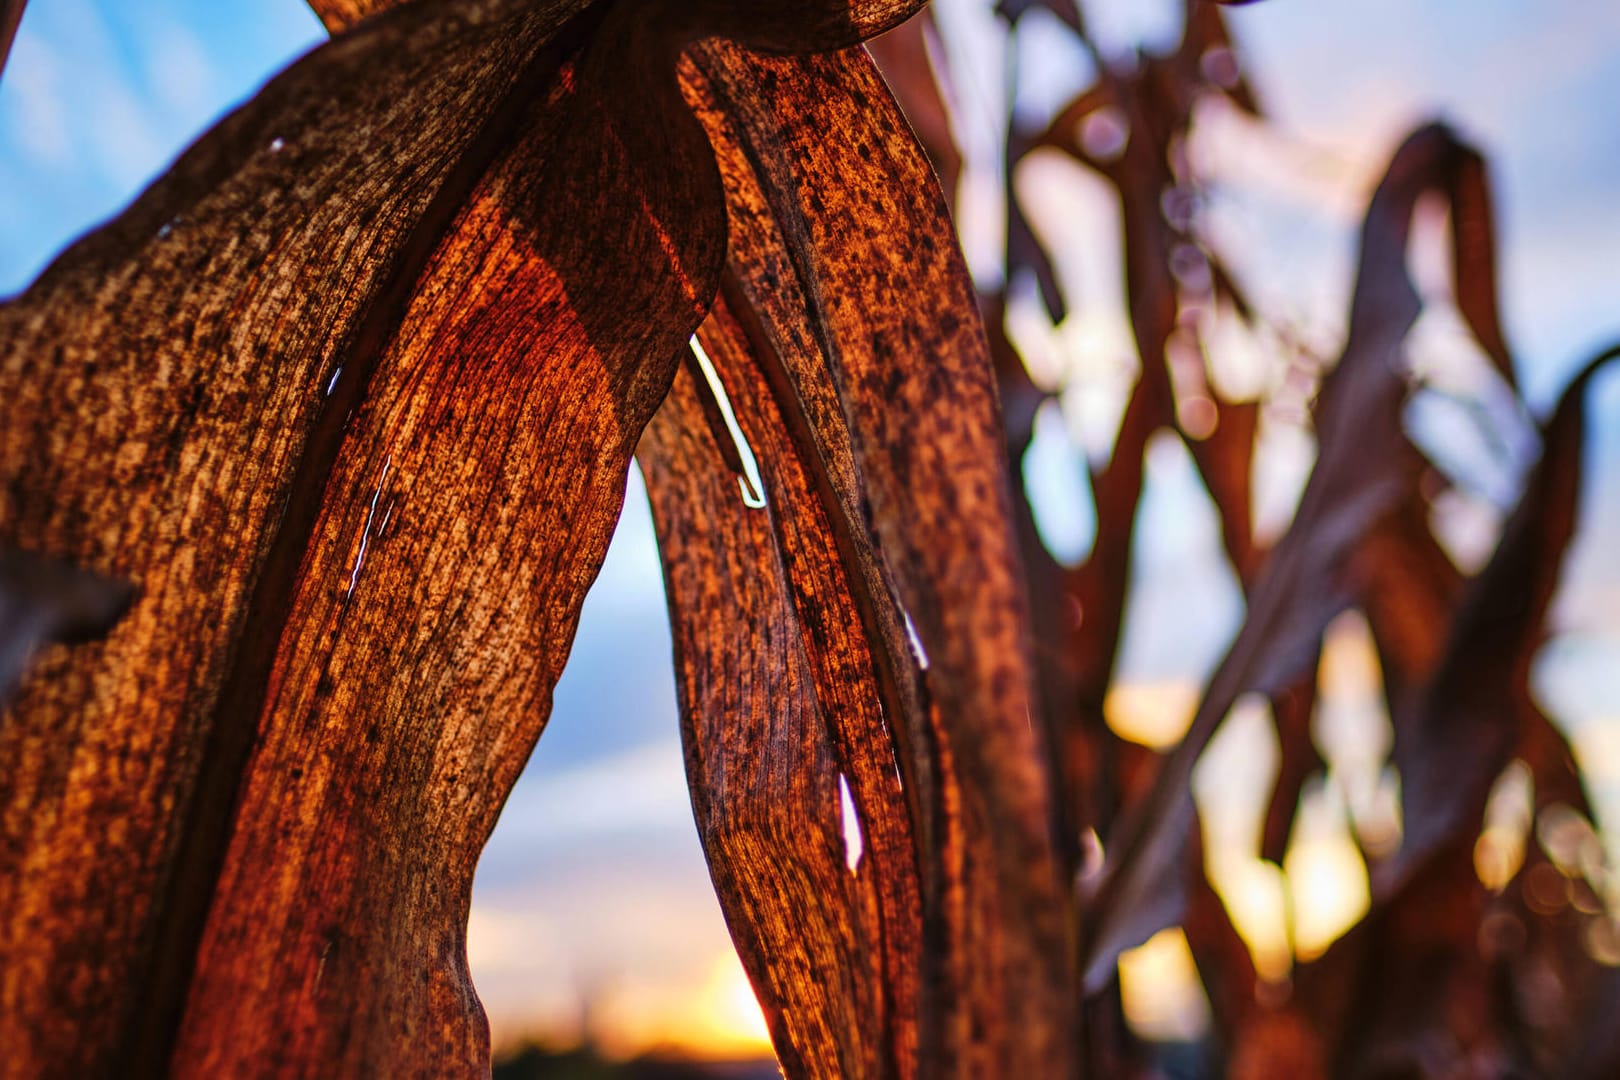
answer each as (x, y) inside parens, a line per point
(1445, 974)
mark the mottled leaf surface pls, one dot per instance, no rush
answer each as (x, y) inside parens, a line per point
(903, 56)
(353, 402)
(781, 699)
(838, 228)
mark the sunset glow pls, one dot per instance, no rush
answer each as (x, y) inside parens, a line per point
(1159, 985)
(720, 1020)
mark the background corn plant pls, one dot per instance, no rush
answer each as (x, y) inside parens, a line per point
(365, 371)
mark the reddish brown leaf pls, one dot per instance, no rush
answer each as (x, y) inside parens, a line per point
(311, 422)
(1443, 979)
(773, 718)
(1298, 761)
(1100, 583)
(339, 15)
(1463, 728)
(1412, 589)
(814, 164)
(1551, 760)
(1156, 98)
(1025, 254)
(799, 26)
(1407, 991)
(1597, 1055)
(1225, 460)
(1364, 466)
(10, 15)
(1074, 724)
(902, 56)
(1207, 55)
(1473, 260)
(1084, 621)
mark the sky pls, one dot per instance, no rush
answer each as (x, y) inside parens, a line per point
(592, 905)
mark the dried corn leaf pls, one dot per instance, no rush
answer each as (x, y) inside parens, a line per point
(902, 55)
(777, 717)
(1363, 469)
(10, 15)
(1464, 727)
(898, 404)
(306, 416)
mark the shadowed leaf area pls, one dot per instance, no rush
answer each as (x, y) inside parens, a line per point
(309, 457)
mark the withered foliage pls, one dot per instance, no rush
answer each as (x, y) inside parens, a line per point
(310, 456)
(350, 395)
(1443, 976)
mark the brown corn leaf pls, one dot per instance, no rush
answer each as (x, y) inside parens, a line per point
(1225, 461)
(44, 601)
(339, 15)
(1364, 466)
(1473, 261)
(1551, 760)
(1442, 978)
(920, 87)
(10, 15)
(1412, 585)
(1225, 966)
(899, 408)
(1208, 58)
(1298, 761)
(795, 27)
(775, 718)
(1464, 727)
(1027, 255)
(1100, 583)
(1085, 620)
(1536, 938)
(1597, 1054)
(1412, 590)
(1407, 991)
(307, 419)
(1157, 109)
(1076, 734)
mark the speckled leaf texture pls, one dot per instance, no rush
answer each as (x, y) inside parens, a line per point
(341, 409)
(772, 719)
(351, 404)
(900, 416)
